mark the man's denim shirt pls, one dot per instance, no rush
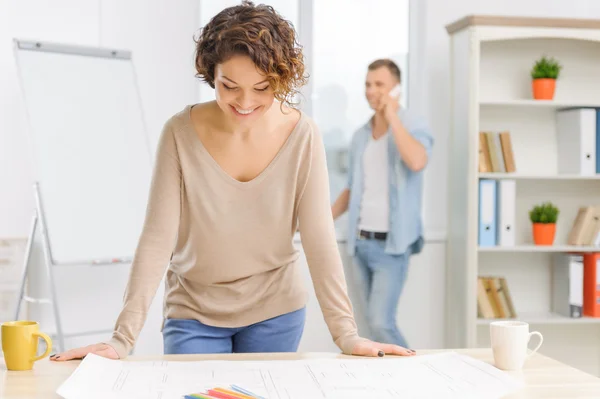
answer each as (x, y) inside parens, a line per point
(406, 187)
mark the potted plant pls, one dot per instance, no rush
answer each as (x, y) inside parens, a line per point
(544, 218)
(544, 73)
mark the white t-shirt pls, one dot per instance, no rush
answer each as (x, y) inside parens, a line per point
(374, 209)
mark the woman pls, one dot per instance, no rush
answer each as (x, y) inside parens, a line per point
(233, 178)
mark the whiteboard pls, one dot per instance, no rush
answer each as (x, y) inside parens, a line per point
(90, 149)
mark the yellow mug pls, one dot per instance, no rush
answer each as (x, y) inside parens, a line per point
(20, 344)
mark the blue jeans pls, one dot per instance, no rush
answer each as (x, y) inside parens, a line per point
(380, 278)
(279, 334)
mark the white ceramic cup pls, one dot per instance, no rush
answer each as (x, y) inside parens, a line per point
(510, 340)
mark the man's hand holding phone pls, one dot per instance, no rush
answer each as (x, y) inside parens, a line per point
(390, 103)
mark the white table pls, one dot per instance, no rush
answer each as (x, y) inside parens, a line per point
(543, 377)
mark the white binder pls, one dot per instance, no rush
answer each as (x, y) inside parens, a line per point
(567, 285)
(507, 193)
(576, 141)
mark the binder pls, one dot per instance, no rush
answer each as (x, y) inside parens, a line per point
(507, 193)
(567, 285)
(591, 284)
(576, 141)
(487, 213)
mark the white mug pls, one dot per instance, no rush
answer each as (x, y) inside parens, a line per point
(510, 340)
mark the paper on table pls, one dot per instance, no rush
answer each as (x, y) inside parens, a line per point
(445, 375)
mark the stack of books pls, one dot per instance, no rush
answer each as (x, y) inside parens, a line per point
(496, 153)
(493, 298)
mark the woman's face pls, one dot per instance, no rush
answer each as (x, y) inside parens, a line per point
(242, 91)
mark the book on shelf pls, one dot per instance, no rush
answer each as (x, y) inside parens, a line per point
(494, 299)
(485, 162)
(496, 153)
(585, 230)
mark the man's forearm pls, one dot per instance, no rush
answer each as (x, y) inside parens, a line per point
(341, 204)
(411, 150)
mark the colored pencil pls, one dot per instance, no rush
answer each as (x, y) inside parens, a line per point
(236, 392)
(245, 392)
(199, 396)
(233, 393)
(221, 395)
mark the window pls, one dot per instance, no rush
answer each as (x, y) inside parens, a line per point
(347, 35)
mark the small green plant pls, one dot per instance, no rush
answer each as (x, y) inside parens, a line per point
(544, 213)
(546, 68)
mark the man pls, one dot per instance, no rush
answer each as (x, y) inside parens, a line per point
(387, 157)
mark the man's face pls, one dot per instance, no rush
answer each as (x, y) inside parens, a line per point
(379, 83)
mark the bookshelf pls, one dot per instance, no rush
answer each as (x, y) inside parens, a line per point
(548, 318)
(491, 57)
(537, 103)
(541, 249)
(521, 176)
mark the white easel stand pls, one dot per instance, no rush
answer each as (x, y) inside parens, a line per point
(38, 240)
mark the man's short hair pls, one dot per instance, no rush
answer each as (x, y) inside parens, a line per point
(389, 64)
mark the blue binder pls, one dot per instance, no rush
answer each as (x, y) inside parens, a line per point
(488, 216)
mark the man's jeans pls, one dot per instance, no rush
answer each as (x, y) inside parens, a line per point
(380, 278)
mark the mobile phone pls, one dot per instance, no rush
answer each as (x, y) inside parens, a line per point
(395, 92)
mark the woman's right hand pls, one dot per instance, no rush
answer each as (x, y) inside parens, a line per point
(103, 350)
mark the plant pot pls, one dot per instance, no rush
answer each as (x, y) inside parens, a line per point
(543, 233)
(543, 89)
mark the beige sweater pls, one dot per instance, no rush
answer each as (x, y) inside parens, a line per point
(228, 245)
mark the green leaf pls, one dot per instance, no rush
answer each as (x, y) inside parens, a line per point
(546, 68)
(544, 213)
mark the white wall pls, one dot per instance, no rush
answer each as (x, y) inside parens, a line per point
(160, 35)
(62, 20)
(158, 32)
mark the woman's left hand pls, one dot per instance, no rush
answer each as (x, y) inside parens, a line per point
(371, 348)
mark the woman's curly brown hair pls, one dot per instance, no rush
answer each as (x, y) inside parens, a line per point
(260, 33)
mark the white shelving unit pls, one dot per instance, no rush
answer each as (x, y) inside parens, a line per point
(537, 103)
(546, 319)
(521, 176)
(540, 249)
(491, 59)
